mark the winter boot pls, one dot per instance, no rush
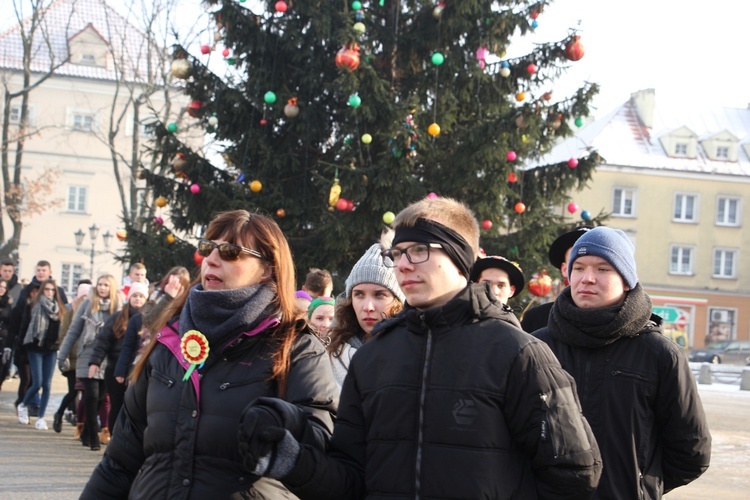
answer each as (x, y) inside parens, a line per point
(104, 436)
(79, 431)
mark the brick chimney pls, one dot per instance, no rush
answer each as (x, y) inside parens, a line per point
(644, 102)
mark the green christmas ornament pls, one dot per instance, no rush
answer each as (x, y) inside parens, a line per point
(579, 121)
(172, 127)
(356, 5)
(438, 58)
(231, 60)
(355, 101)
(269, 97)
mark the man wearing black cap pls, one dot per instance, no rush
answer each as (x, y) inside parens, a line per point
(635, 385)
(446, 400)
(505, 280)
(559, 252)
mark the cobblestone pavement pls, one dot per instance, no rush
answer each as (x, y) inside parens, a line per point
(46, 465)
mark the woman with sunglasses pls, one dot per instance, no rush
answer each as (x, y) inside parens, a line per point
(42, 329)
(235, 337)
(89, 319)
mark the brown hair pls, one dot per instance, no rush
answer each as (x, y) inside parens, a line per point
(447, 211)
(347, 326)
(57, 298)
(317, 280)
(261, 233)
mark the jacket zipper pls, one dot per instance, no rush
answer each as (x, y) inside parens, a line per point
(422, 396)
(616, 373)
(163, 379)
(232, 385)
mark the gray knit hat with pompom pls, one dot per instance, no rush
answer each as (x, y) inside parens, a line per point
(370, 269)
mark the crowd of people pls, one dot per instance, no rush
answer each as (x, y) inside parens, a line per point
(415, 381)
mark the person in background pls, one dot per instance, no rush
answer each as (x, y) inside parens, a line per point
(505, 279)
(6, 351)
(40, 341)
(235, 337)
(108, 346)
(446, 400)
(320, 317)
(372, 294)
(138, 331)
(137, 274)
(635, 384)
(8, 273)
(89, 319)
(559, 252)
(68, 370)
(318, 283)
(303, 299)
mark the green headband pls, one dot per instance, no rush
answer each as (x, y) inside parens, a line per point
(319, 301)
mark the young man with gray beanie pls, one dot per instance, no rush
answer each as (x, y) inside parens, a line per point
(635, 385)
(446, 400)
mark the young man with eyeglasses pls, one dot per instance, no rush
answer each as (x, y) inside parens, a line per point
(446, 400)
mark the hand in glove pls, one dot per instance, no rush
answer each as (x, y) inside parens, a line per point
(63, 365)
(6, 355)
(265, 443)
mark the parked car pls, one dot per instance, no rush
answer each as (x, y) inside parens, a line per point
(736, 352)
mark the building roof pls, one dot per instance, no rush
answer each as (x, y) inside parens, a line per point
(64, 20)
(623, 140)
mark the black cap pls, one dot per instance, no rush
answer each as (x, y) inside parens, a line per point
(563, 243)
(515, 275)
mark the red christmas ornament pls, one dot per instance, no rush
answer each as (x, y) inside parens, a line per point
(547, 96)
(205, 49)
(520, 208)
(573, 162)
(487, 224)
(348, 58)
(540, 284)
(121, 234)
(531, 68)
(281, 6)
(158, 221)
(511, 156)
(574, 49)
(535, 14)
(263, 122)
(225, 52)
(512, 177)
(572, 207)
(281, 213)
(197, 258)
(342, 205)
(195, 109)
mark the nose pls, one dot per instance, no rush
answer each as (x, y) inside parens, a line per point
(213, 258)
(588, 275)
(368, 306)
(403, 262)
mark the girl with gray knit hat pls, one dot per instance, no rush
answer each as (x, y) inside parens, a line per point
(372, 294)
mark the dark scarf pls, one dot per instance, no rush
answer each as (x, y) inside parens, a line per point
(593, 328)
(221, 315)
(44, 310)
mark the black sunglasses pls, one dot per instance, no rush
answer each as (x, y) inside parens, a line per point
(227, 251)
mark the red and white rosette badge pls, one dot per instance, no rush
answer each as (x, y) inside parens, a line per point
(194, 347)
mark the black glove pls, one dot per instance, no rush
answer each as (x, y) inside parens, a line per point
(269, 434)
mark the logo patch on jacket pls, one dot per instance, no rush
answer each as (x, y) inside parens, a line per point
(465, 412)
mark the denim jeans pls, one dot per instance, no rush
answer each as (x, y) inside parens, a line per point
(42, 367)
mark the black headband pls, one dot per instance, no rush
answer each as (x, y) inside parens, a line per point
(430, 231)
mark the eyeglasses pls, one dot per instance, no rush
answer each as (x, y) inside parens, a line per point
(50, 290)
(227, 251)
(415, 254)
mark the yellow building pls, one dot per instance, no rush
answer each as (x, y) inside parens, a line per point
(675, 181)
(102, 64)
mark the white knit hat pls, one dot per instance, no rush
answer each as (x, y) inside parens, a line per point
(370, 269)
(138, 287)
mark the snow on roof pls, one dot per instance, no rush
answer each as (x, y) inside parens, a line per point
(65, 19)
(622, 140)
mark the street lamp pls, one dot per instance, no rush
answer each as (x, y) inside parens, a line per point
(93, 233)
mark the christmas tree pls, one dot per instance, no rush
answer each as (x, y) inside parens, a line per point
(336, 115)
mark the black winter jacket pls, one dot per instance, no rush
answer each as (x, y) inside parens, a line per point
(640, 397)
(176, 439)
(107, 346)
(453, 402)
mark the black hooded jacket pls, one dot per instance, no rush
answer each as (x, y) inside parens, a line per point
(454, 402)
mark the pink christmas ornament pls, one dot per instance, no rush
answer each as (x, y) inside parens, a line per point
(511, 156)
(572, 207)
(195, 188)
(573, 162)
(482, 54)
(432, 196)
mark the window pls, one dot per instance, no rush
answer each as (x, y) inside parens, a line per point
(624, 202)
(685, 207)
(681, 260)
(727, 211)
(722, 152)
(725, 263)
(721, 325)
(89, 59)
(71, 275)
(83, 122)
(680, 149)
(77, 197)
(15, 115)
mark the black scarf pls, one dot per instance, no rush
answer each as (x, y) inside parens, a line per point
(593, 328)
(221, 315)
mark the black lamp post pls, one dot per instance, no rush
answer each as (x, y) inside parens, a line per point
(93, 233)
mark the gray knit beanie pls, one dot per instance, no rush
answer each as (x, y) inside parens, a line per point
(370, 269)
(612, 245)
